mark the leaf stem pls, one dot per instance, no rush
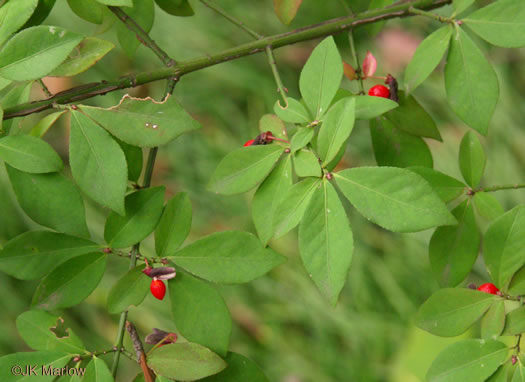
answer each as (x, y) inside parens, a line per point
(280, 87)
(515, 186)
(358, 70)
(232, 19)
(45, 88)
(311, 32)
(431, 15)
(148, 174)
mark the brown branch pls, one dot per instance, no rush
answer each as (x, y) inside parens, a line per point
(139, 351)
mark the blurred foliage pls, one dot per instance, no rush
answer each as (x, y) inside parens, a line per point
(282, 322)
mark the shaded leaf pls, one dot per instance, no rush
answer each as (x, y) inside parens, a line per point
(286, 9)
(174, 225)
(97, 371)
(305, 164)
(21, 59)
(239, 368)
(144, 122)
(451, 311)
(185, 361)
(446, 187)
(45, 123)
(33, 254)
(394, 198)
(130, 290)
(471, 83)
(143, 13)
(472, 159)
(89, 10)
(244, 168)
(97, 163)
(143, 211)
(368, 107)
(493, 322)
(70, 283)
(228, 257)
(301, 138)
(326, 241)
(48, 359)
(487, 206)
(295, 112)
(29, 154)
(13, 16)
(200, 313)
(515, 323)
(50, 200)
(176, 7)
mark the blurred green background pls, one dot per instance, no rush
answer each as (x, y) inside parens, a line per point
(280, 320)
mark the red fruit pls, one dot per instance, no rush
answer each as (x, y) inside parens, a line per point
(158, 289)
(249, 143)
(379, 91)
(488, 288)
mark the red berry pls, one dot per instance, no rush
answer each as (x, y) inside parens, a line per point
(488, 288)
(379, 91)
(158, 289)
(249, 143)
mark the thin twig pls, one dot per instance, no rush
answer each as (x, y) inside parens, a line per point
(311, 32)
(142, 36)
(232, 19)
(45, 88)
(430, 15)
(280, 87)
(515, 186)
(139, 351)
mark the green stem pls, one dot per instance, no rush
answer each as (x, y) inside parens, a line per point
(142, 35)
(311, 32)
(276, 76)
(148, 174)
(431, 15)
(357, 63)
(501, 187)
(44, 88)
(232, 19)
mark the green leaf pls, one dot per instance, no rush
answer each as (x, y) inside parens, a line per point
(134, 160)
(412, 118)
(143, 211)
(97, 371)
(268, 196)
(326, 241)
(515, 323)
(117, 3)
(504, 246)
(321, 77)
(451, 311)
(47, 359)
(519, 373)
(17, 95)
(446, 187)
(336, 129)
(239, 368)
(301, 138)
(29, 154)
(33, 254)
(185, 361)
(471, 83)
(393, 147)
(461, 5)
(174, 225)
(493, 322)
(97, 162)
(70, 283)
(427, 57)
(130, 290)
(394, 198)
(43, 331)
(45, 123)
(501, 374)
(472, 159)
(176, 7)
(470, 360)
(50, 200)
(13, 16)
(286, 9)
(270, 122)
(200, 313)
(228, 257)
(501, 23)
(143, 13)
(144, 122)
(22, 59)
(244, 168)
(83, 57)
(517, 284)
(41, 12)
(89, 10)
(291, 209)
(487, 206)
(373, 29)
(305, 164)
(368, 107)
(453, 250)
(295, 112)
